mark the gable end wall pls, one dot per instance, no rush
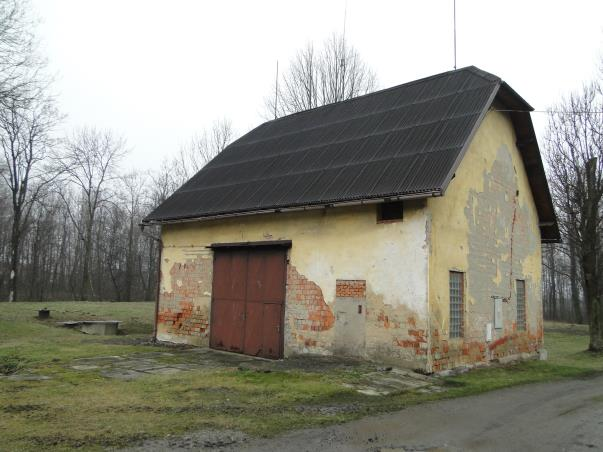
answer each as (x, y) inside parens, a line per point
(486, 226)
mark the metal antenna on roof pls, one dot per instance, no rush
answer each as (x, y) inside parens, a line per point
(276, 90)
(454, 18)
(345, 15)
(343, 56)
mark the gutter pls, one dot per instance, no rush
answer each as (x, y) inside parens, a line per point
(428, 194)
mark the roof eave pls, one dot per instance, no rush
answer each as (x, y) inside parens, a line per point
(298, 208)
(532, 160)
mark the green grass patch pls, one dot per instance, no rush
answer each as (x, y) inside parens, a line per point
(11, 363)
(84, 409)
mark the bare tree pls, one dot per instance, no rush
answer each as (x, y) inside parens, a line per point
(20, 64)
(163, 184)
(89, 162)
(25, 138)
(574, 141)
(343, 73)
(201, 149)
(300, 86)
(132, 197)
(313, 78)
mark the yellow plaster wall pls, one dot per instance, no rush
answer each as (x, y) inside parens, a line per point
(475, 228)
(328, 244)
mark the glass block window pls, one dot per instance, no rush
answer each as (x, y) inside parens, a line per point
(520, 288)
(457, 308)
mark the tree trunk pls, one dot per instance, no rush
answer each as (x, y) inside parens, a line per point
(575, 293)
(129, 261)
(15, 243)
(35, 263)
(553, 284)
(589, 258)
(150, 270)
(86, 262)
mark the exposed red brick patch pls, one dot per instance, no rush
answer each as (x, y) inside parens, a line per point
(406, 343)
(411, 321)
(416, 341)
(189, 320)
(419, 335)
(352, 288)
(517, 342)
(497, 343)
(383, 319)
(179, 310)
(306, 301)
(386, 322)
(309, 342)
(445, 355)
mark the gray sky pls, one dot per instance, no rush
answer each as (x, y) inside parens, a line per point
(158, 71)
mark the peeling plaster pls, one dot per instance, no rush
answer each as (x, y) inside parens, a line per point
(487, 207)
(344, 243)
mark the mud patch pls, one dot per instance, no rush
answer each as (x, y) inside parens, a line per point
(205, 439)
(25, 408)
(327, 410)
(65, 441)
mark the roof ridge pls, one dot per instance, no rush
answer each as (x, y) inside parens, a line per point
(473, 69)
(483, 74)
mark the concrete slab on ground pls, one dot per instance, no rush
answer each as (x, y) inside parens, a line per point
(375, 380)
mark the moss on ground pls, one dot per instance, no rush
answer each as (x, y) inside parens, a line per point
(84, 409)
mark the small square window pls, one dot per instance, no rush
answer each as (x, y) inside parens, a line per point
(390, 211)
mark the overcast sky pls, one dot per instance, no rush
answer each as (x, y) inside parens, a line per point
(158, 71)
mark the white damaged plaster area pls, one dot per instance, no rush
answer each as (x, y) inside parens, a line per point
(391, 257)
(331, 244)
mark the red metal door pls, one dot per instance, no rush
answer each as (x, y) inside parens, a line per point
(228, 300)
(251, 282)
(264, 302)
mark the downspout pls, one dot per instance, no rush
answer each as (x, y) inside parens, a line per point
(158, 285)
(158, 288)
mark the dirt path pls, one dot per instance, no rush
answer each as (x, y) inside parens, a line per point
(563, 416)
(560, 416)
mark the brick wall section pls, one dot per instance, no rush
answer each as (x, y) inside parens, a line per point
(188, 320)
(396, 334)
(184, 310)
(309, 319)
(350, 288)
(447, 354)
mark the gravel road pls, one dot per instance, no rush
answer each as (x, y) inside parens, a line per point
(560, 416)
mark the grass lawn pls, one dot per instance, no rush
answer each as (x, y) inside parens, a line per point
(84, 409)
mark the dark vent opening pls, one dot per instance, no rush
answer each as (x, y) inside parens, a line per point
(390, 211)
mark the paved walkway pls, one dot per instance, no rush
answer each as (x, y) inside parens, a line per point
(376, 380)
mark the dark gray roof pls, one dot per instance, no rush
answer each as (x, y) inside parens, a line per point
(399, 142)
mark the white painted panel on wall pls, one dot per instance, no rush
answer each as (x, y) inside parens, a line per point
(498, 313)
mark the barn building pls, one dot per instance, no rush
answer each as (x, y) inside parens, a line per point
(402, 226)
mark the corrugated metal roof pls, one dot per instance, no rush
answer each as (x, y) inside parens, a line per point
(398, 142)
